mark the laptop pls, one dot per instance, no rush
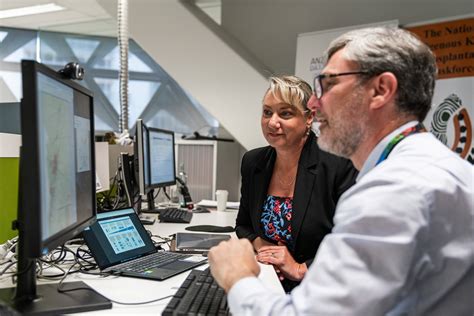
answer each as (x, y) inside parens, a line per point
(121, 245)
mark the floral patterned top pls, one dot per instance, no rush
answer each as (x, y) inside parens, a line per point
(276, 219)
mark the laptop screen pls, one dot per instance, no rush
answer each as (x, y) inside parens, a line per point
(116, 237)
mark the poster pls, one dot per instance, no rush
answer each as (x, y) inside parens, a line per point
(450, 118)
(310, 48)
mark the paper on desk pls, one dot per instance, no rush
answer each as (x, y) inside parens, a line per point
(212, 203)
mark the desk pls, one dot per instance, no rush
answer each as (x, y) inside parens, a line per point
(226, 218)
(137, 290)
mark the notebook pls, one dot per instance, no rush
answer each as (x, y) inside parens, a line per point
(120, 244)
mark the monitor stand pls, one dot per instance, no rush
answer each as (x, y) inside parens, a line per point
(48, 301)
(29, 298)
(150, 204)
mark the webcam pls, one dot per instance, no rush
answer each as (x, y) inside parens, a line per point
(73, 71)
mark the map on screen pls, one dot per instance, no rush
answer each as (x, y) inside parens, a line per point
(57, 156)
(82, 129)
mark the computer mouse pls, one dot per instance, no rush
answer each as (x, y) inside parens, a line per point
(201, 209)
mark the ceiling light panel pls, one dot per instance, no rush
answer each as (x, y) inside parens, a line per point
(36, 9)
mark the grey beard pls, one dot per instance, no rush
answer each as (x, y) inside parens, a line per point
(344, 146)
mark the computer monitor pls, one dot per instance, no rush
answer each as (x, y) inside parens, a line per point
(162, 160)
(142, 162)
(155, 160)
(56, 187)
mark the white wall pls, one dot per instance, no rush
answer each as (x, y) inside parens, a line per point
(223, 82)
(269, 28)
(10, 145)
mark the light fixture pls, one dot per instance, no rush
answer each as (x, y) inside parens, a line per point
(36, 9)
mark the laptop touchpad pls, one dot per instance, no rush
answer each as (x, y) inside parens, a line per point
(177, 265)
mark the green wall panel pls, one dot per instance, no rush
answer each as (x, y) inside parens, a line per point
(8, 196)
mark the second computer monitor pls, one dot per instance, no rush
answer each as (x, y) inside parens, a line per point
(161, 158)
(154, 158)
(141, 157)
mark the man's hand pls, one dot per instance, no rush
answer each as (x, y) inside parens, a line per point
(231, 261)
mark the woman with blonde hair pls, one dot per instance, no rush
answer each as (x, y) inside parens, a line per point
(290, 188)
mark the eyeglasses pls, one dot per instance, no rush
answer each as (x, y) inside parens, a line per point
(318, 80)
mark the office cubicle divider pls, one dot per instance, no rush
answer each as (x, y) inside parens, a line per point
(9, 171)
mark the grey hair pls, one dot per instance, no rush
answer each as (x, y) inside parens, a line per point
(389, 49)
(291, 90)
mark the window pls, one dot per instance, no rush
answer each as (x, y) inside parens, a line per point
(153, 95)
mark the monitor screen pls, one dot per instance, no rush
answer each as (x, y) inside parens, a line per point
(57, 158)
(162, 161)
(154, 158)
(56, 187)
(154, 161)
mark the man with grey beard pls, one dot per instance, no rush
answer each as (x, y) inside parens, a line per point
(403, 240)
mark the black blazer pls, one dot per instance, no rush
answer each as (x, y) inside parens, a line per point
(320, 180)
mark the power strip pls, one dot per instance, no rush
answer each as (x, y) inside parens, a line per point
(6, 247)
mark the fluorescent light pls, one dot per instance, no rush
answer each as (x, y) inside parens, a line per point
(36, 9)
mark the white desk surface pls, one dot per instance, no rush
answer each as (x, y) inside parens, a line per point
(126, 289)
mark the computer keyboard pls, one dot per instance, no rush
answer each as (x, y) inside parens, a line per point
(151, 261)
(175, 215)
(198, 295)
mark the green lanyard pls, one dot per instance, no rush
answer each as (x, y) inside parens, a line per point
(418, 128)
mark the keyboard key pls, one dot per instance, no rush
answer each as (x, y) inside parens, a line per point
(173, 303)
(174, 215)
(198, 295)
(149, 262)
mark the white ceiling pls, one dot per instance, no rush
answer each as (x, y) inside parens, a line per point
(251, 22)
(81, 16)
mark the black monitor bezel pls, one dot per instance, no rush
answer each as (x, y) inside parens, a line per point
(139, 165)
(162, 184)
(29, 214)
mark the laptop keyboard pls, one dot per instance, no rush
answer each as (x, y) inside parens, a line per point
(175, 215)
(151, 261)
(198, 295)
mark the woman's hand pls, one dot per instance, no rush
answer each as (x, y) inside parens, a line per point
(282, 260)
(259, 243)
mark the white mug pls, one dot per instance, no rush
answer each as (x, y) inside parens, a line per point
(221, 197)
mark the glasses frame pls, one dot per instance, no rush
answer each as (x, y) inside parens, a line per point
(318, 85)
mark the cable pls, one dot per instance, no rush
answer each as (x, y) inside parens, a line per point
(50, 259)
(166, 241)
(7, 267)
(61, 290)
(57, 257)
(122, 20)
(25, 270)
(157, 192)
(8, 250)
(41, 275)
(154, 197)
(166, 194)
(90, 265)
(55, 262)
